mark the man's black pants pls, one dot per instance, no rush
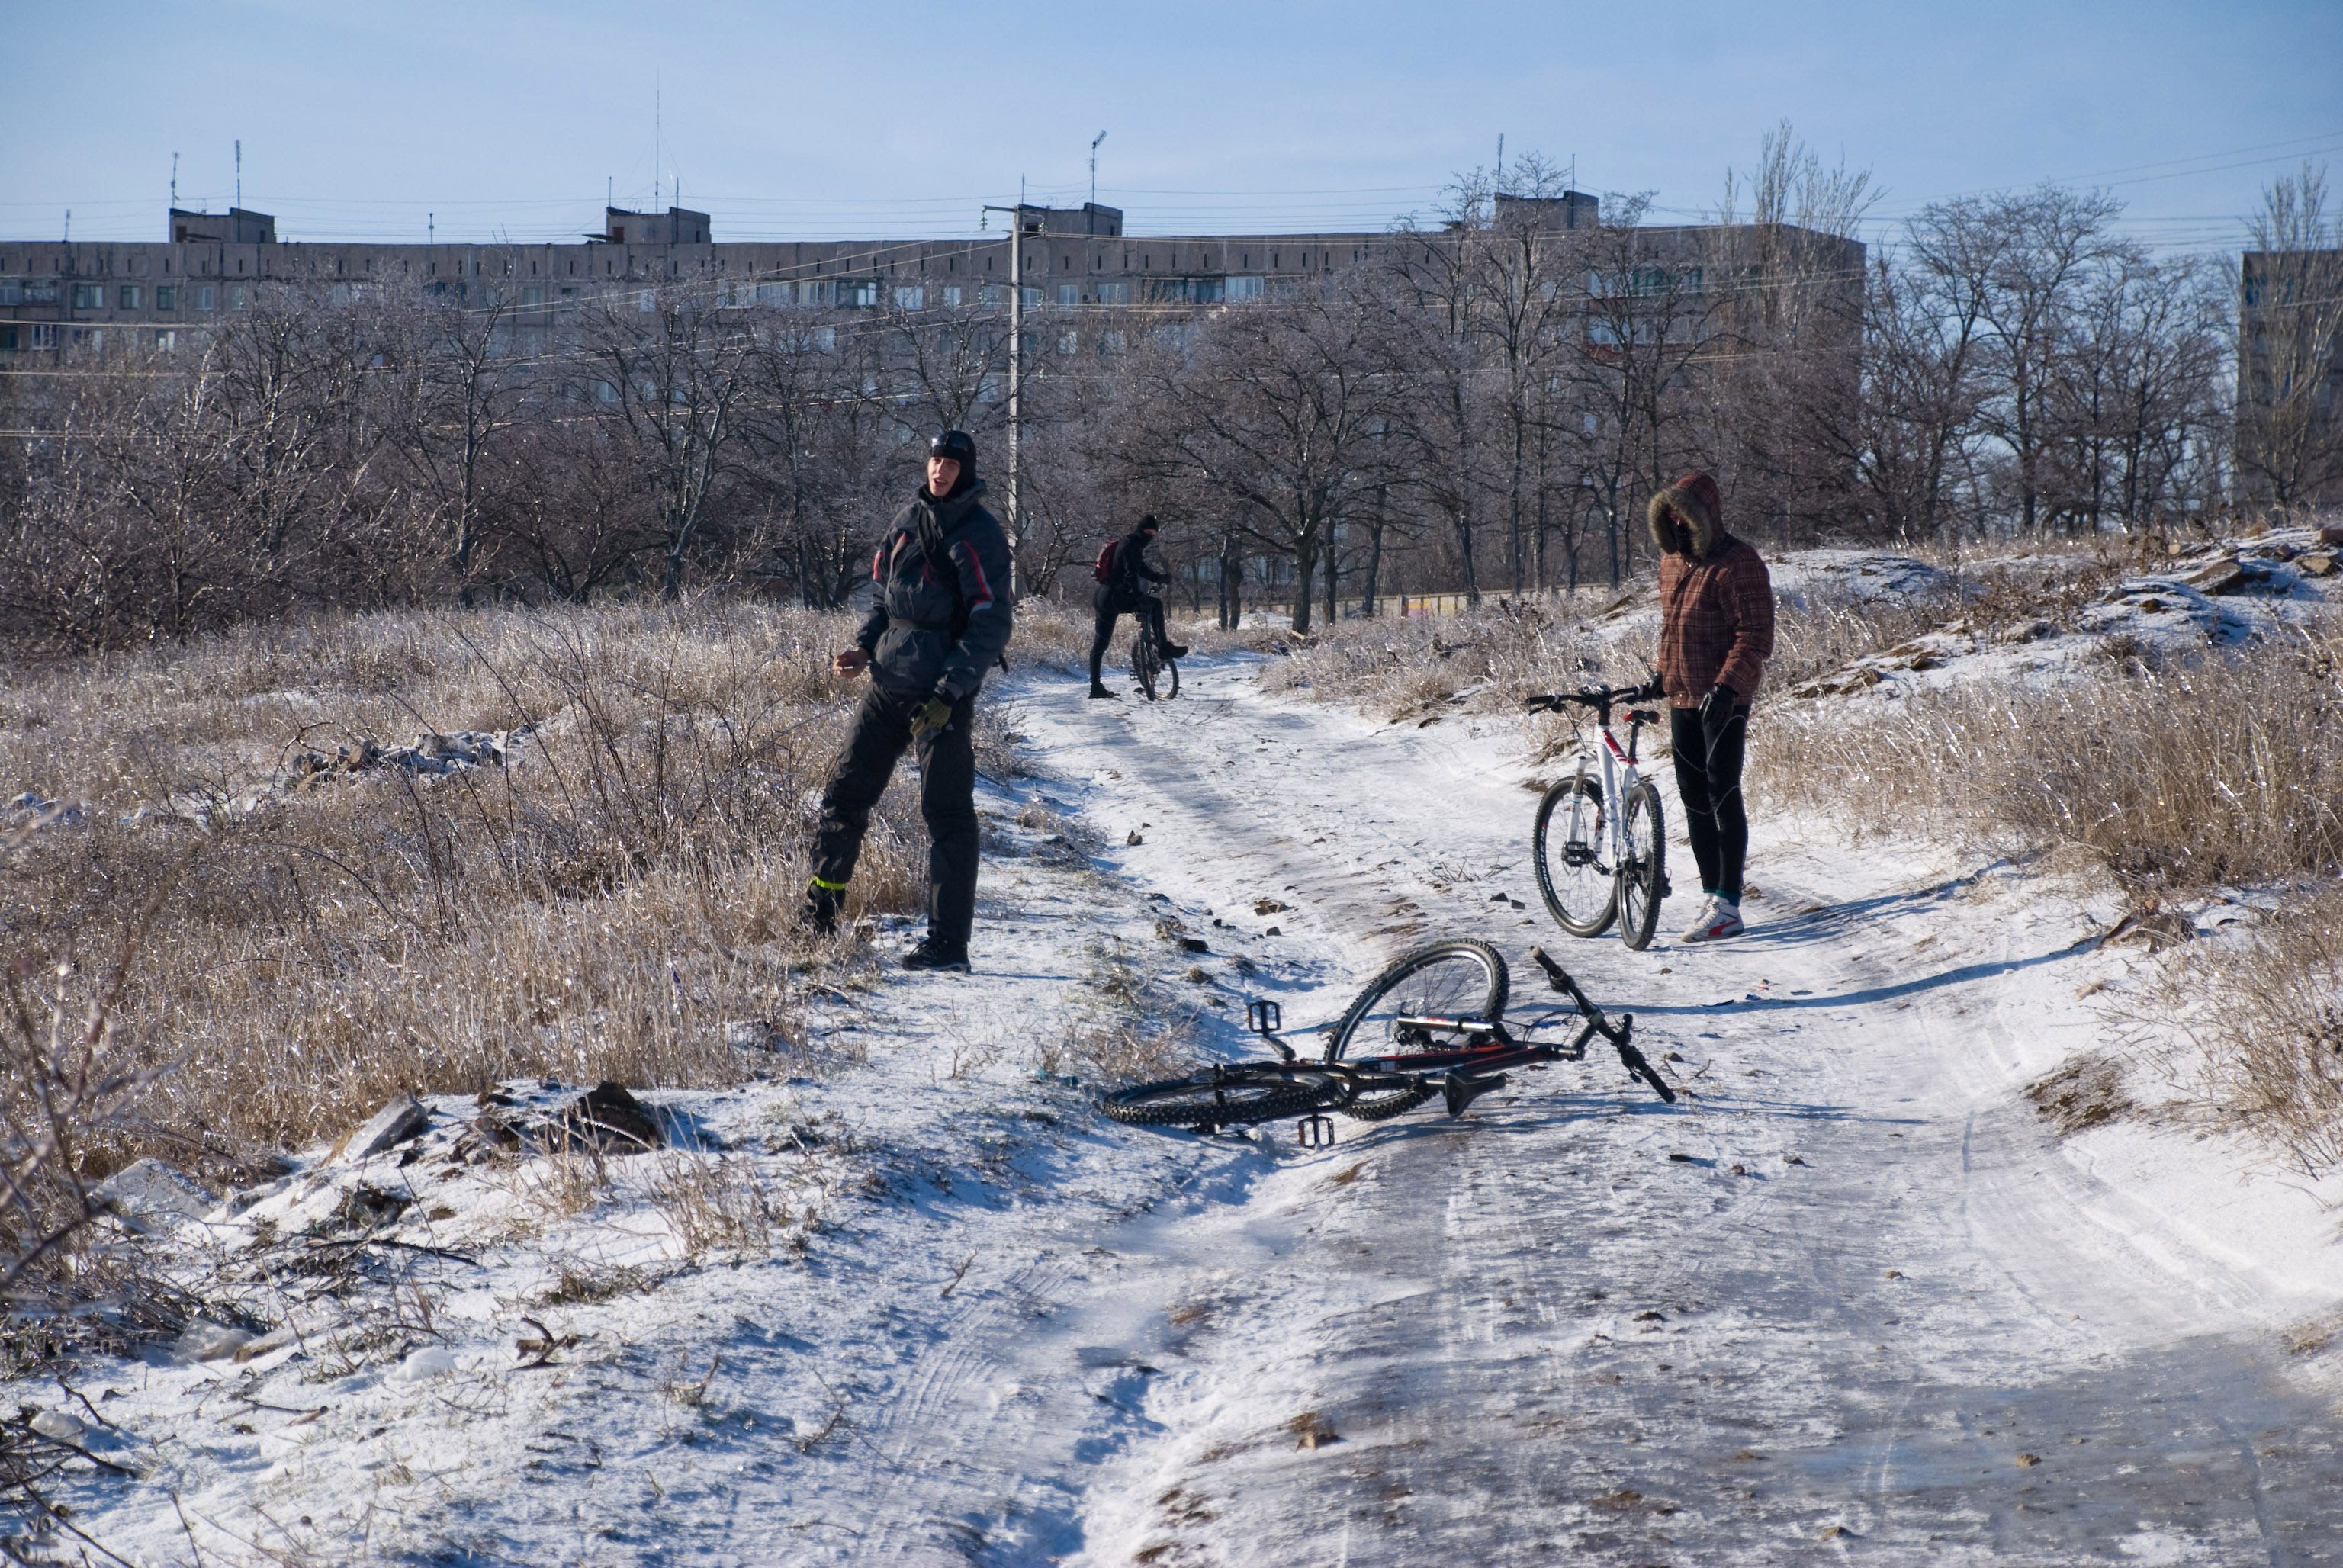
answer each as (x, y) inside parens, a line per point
(1149, 611)
(946, 758)
(1708, 781)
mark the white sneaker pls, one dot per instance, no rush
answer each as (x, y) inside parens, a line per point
(1718, 919)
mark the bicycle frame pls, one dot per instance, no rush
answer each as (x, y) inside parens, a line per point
(1467, 1072)
(1620, 777)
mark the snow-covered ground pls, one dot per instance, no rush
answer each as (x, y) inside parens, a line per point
(1852, 1294)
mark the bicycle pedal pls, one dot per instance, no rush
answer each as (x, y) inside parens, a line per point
(1315, 1132)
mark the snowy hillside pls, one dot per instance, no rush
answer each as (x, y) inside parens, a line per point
(905, 1297)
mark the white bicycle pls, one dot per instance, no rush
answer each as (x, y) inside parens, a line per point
(1600, 845)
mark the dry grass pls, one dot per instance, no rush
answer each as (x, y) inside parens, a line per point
(2225, 769)
(1427, 667)
(2268, 1018)
(595, 911)
(715, 1203)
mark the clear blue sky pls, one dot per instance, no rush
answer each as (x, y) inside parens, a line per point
(817, 121)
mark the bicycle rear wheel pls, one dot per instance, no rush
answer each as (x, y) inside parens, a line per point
(1225, 1096)
(1379, 1099)
(1458, 980)
(1580, 892)
(1643, 876)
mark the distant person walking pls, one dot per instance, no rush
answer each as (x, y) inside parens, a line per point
(1123, 574)
(940, 618)
(1716, 632)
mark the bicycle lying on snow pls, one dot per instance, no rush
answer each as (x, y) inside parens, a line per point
(1600, 846)
(1432, 1024)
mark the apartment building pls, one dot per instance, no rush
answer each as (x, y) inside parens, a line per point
(57, 296)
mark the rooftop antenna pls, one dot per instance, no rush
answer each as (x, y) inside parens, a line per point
(1094, 142)
(239, 171)
(68, 226)
(1501, 158)
(655, 140)
(431, 228)
(175, 179)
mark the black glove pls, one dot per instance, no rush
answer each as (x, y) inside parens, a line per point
(1653, 689)
(931, 716)
(1717, 706)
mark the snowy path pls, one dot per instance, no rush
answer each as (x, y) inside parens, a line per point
(1914, 1325)
(1847, 1297)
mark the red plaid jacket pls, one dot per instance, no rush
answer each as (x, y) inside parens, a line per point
(1716, 623)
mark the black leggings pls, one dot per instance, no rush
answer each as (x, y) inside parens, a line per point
(1708, 781)
(1149, 610)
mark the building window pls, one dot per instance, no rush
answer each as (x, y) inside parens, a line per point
(7, 339)
(1070, 342)
(1240, 288)
(204, 296)
(166, 341)
(951, 297)
(775, 292)
(167, 296)
(238, 296)
(859, 296)
(1068, 295)
(1111, 343)
(89, 296)
(1113, 294)
(42, 335)
(645, 300)
(127, 296)
(911, 298)
(532, 296)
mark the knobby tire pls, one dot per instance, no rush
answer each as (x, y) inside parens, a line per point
(1644, 873)
(1227, 1096)
(1581, 899)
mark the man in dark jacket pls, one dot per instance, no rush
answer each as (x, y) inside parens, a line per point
(939, 618)
(1716, 632)
(1124, 593)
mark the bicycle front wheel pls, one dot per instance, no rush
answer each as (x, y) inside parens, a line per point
(1226, 1096)
(1567, 847)
(1642, 874)
(1171, 678)
(1460, 979)
(1142, 664)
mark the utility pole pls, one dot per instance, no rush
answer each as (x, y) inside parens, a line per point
(1016, 372)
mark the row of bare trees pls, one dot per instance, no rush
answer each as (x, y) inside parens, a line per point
(1477, 407)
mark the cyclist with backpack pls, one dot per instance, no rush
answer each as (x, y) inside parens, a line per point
(1716, 632)
(1122, 574)
(940, 618)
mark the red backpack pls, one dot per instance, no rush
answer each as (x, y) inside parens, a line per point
(1105, 571)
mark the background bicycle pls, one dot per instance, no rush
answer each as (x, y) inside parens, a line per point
(1157, 675)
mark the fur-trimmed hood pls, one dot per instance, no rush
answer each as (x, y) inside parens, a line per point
(1685, 517)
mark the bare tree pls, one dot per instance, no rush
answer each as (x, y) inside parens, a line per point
(2290, 369)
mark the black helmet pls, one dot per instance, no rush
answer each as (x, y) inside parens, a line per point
(956, 445)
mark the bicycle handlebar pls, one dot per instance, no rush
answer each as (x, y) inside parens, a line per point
(1600, 698)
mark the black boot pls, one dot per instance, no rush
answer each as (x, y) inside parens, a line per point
(935, 953)
(1098, 689)
(1175, 650)
(820, 912)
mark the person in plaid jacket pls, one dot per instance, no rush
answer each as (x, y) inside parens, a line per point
(1716, 632)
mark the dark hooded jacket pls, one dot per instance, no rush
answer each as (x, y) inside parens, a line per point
(1124, 591)
(916, 643)
(1716, 599)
